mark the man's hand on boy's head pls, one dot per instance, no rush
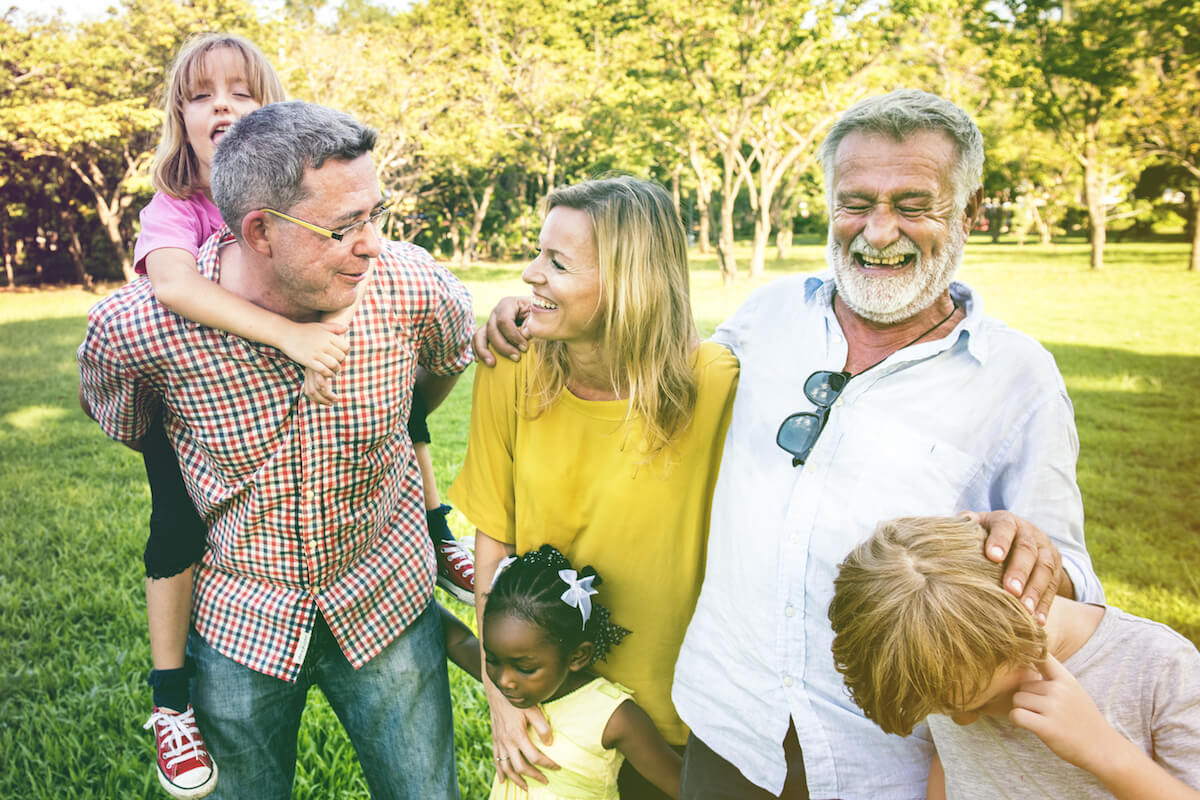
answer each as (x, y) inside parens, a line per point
(1034, 570)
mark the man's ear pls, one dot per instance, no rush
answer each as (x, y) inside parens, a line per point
(974, 206)
(256, 233)
(581, 657)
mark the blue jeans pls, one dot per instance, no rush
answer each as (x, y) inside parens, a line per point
(395, 709)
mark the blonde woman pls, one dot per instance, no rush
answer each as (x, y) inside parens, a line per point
(604, 441)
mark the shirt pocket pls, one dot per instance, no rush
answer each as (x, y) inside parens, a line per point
(904, 468)
(883, 466)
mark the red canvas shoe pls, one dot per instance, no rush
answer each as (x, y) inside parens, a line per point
(456, 570)
(185, 769)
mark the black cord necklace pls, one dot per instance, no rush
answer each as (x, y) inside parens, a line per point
(941, 322)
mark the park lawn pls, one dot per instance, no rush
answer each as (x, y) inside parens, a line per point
(73, 511)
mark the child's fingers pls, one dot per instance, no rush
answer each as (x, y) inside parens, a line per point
(1028, 719)
(1052, 669)
(334, 327)
(338, 346)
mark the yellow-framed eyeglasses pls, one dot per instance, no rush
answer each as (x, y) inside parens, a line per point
(377, 218)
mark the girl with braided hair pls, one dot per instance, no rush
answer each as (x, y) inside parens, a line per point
(542, 631)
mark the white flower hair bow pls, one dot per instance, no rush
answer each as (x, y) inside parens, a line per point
(503, 565)
(578, 593)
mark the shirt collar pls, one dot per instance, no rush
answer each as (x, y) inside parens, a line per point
(818, 290)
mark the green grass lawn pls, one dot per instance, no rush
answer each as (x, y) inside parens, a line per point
(73, 507)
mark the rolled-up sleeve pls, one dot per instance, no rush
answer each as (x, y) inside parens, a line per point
(1038, 482)
(445, 347)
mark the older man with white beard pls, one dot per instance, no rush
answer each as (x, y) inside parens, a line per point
(876, 391)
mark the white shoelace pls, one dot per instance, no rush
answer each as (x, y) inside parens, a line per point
(182, 733)
(456, 554)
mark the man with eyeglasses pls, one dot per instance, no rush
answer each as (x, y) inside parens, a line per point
(318, 568)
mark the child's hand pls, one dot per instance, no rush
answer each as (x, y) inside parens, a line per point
(318, 388)
(317, 346)
(1061, 713)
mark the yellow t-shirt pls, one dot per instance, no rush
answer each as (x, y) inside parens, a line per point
(564, 479)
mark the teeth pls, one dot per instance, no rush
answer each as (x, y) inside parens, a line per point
(546, 304)
(891, 261)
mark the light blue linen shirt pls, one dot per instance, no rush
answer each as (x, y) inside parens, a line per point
(978, 420)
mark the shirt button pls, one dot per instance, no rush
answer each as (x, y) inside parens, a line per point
(789, 612)
(308, 494)
(787, 680)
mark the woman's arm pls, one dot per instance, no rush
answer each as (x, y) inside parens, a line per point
(319, 346)
(516, 756)
(631, 731)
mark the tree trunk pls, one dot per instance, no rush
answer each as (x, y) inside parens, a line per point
(481, 209)
(675, 190)
(1193, 264)
(725, 257)
(108, 210)
(783, 236)
(454, 232)
(8, 259)
(703, 198)
(551, 168)
(762, 235)
(75, 248)
(1093, 191)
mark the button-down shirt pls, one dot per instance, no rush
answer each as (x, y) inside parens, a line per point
(309, 507)
(978, 420)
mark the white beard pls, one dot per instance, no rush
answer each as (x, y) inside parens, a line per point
(888, 300)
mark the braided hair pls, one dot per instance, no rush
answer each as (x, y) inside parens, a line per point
(531, 589)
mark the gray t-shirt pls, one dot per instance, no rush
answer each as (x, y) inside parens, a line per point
(1145, 679)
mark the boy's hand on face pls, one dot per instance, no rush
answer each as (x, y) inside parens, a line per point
(1061, 713)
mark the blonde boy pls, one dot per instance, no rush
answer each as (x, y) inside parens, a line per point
(924, 629)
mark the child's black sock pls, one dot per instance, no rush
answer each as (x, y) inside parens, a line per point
(439, 529)
(171, 686)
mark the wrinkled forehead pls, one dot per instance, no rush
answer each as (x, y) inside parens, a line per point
(923, 158)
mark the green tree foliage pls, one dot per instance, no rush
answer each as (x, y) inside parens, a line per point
(1169, 103)
(1069, 60)
(483, 106)
(84, 98)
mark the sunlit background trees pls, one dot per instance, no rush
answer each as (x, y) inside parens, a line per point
(1091, 112)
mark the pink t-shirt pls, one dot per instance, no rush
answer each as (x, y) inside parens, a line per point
(170, 222)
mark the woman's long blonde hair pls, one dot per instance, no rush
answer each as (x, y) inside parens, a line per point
(646, 314)
(176, 171)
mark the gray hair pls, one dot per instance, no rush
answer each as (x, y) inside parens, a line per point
(261, 160)
(898, 115)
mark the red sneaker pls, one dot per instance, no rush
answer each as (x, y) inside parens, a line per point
(456, 570)
(185, 769)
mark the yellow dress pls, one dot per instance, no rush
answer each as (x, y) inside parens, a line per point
(589, 771)
(564, 478)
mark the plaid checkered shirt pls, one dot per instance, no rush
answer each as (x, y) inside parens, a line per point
(309, 507)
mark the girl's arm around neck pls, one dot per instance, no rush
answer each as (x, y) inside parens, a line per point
(319, 346)
(631, 731)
